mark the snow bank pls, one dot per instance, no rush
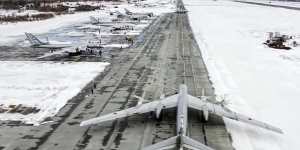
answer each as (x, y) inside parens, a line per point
(277, 3)
(258, 81)
(45, 85)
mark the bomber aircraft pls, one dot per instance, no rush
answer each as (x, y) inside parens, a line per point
(182, 101)
(128, 12)
(37, 43)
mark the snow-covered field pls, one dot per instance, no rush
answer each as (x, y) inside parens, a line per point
(18, 13)
(278, 3)
(257, 81)
(45, 85)
(10, 31)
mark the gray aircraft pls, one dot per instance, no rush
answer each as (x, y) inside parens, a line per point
(96, 21)
(133, 16)
(128, 12)
(36, 43)
(182, 101)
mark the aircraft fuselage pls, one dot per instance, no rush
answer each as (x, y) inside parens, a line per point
(182, 110)
(51, 46)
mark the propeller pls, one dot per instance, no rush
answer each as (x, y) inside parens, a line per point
(224, 100)
(140, 100)
(203, 97)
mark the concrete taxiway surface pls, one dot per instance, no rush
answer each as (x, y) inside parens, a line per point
(164, 56)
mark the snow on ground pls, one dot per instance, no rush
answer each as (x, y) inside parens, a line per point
(4, 12)
(79, 3)
(159, 7)
(118, 33)
(278, 3)
(49, 85)
(257, 81)
(74, 34)
(117, 45)
(45, 85)
(10, 31)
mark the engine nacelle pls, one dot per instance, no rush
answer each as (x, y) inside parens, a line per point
(205, 114)
(140, 102)
(158, 110)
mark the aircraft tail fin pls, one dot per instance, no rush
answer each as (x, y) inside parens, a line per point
(193, 144)
(94, 20)
(127, 11)
(34, 41)
(163, 145)
(119, 13)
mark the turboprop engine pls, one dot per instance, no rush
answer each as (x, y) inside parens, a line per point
(205, 114)
(158, 110)
(204, 98)
(140, 100)
(159, 107)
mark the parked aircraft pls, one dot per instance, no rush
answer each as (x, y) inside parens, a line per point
(120, 15)
(97, 44)
(113, 22)
(132, 16)
(182, 101)
(96, 21)
(36, 43)
(137, 14)
(122, 27)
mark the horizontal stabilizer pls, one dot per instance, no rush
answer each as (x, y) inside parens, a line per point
(163, 145)
(194, 145)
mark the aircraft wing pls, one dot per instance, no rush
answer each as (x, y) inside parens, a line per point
(196, 103)
(168, 102)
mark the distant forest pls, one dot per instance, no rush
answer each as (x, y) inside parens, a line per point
(287, 0)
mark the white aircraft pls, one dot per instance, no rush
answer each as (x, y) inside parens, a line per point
(36, 43)
(132, 16)
(137, 14)
(96, 21)
(120, 15)
(182, 101)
